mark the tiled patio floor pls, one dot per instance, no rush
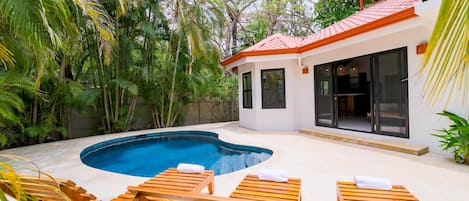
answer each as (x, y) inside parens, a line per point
(319, 162)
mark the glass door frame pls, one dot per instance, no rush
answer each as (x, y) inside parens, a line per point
(375, 94)
(317, 91)
(373, 102)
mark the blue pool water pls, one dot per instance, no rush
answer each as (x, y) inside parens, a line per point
(150, 154)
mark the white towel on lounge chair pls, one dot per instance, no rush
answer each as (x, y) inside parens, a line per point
(373, 183)
(272, 175)
(190, 168)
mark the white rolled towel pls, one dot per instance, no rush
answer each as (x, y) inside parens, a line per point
(190, 168)
(272, 175)
(373, 183)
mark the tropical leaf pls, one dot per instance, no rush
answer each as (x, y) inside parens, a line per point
(103, 24)
(14, 181)
(128, 85)
(3, 140)
(456, 137)
(446, 61)
(6, 56)
(42, 23)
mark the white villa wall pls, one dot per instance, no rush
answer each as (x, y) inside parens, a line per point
(277, 118)
(410, 33)
(247, 116)
(300, 110)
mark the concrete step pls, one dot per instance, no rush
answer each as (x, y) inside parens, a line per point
(404, 147)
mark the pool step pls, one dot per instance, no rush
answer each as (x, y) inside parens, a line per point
(236, 162)
(404, 147)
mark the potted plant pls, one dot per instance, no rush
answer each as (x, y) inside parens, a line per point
(456, 138)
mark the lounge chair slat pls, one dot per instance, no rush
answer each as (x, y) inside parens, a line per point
(200, 175)
(348, 191)
(371, 191)
(172, 180)
(174, 170)
(357, 198)
(269, 190)
(182, 176)
(186, 179)
(164, 186)
(258, 198)
(269, 183)
(255, 177)
(182, 184)
(152, 194)
(371, 196)
(251, 188)
(375, 195)
(255, 186)
(278, 194)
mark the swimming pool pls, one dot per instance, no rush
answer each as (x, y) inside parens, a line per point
(149, 154)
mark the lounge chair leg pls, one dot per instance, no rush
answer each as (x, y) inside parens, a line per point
(140, 197)
(211, 187)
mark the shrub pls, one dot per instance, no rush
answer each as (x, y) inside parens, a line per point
(456, 138)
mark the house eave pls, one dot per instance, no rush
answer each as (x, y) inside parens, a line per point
(388, 20)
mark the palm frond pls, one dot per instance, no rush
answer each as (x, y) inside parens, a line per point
(102, 22)
(42, 23)
(6, 56)
(445, 64)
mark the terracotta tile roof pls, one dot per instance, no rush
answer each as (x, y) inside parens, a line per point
(377, 11)
(276, 41)
(382, 13)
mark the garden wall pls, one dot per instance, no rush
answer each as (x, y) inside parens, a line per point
(87, 123)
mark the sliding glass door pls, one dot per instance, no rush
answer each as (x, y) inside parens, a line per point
(367, 93)
(391, 104)
(324, 99)
(352, 93)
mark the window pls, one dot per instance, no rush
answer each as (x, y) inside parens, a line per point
(247, 90)
(273, 88)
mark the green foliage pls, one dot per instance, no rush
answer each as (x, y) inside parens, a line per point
(456, 138)
(247, 26)
(327, 12)
(446, 62)
(11, 180)
(3, 140)
(77, 55)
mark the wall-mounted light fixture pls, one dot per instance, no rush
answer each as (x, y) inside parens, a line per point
(305, 70)
(421, 48)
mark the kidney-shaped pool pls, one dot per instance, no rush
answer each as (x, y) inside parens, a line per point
(150, 154)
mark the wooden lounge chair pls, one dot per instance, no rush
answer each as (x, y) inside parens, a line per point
(44, 188)
(147, 194)
(348, 191)
(172, 180)
(251, 188)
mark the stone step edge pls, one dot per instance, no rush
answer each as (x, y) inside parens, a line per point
(415, 149)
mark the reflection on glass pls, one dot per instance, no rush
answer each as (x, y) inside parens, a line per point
(273, 88)
(323, 99)
(392, 94)
(247, 90)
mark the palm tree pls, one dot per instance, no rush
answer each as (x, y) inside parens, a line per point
(34, 37)
(446, 60)
(188, 49)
